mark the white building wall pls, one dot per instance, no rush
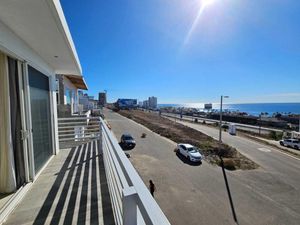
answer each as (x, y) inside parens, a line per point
(84, 101)
(15, 47)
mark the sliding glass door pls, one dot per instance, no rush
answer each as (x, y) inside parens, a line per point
(40, 117)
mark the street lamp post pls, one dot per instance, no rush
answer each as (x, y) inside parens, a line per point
(221, 115)
(299, 123)
(260, 123)
(222, 162)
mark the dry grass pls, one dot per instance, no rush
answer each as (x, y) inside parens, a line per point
(183, 134)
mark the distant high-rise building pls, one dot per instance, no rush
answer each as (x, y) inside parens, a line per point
(146, 104)
(152, 101)
(102, 99)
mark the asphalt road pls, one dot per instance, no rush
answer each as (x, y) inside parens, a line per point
(239, 126)
(195, 194)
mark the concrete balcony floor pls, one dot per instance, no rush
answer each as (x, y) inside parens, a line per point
(4, 198)
(72, 189)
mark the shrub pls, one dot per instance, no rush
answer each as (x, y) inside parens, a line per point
(229, 164)
(276, 135)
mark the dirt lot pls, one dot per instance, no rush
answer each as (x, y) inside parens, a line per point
(183, 134)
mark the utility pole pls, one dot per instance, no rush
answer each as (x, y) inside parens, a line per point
(222, 163)
(260, 123)
(221, 117)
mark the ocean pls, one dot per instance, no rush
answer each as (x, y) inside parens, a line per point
(252, 109)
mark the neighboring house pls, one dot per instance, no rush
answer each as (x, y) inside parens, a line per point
(35, 45)
(87, 102)
(67, 94)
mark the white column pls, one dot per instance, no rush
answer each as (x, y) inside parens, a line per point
(129, 206)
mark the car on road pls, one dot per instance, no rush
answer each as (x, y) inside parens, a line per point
(190, 152)
(293, 143)
(127, 141)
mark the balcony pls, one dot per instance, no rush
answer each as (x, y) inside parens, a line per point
(90, 181)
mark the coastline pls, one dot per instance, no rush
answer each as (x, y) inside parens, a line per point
(253, 109)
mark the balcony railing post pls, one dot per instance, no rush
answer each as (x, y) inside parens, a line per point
(100, 148)
(129, 206)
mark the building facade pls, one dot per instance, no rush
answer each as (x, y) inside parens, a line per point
(32, 52)
(102, 99)
(67, 95)
(152, 102)
(123, 103)
(146, 104)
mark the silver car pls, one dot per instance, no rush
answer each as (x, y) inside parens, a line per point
(293, 143)
(190, 152)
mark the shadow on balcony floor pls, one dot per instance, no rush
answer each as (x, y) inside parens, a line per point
(71, 190)
(4, 198)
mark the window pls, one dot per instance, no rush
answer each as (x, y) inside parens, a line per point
(68, 94)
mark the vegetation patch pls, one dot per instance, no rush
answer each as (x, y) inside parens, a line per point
(182, 134)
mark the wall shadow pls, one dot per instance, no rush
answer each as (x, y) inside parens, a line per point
(77, 180)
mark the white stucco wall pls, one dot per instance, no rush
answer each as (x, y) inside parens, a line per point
(14, 46)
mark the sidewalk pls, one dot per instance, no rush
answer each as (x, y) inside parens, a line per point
(277, 145)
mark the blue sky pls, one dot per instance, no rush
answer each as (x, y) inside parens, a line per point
(247, 49)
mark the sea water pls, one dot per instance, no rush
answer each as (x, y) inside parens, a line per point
(252, 109)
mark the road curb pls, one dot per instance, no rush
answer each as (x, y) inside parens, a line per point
(272, 145)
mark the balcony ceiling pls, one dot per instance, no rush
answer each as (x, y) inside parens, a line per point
(42, 25)
(78, 82)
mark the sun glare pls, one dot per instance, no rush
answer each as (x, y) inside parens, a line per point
(203, 5)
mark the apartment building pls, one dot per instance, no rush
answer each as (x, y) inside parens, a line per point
(152, 102)
(102, 99)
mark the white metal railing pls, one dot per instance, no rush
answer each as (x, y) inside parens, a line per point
(78, 129)
(131, 200)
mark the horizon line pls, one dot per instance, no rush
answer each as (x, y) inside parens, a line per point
(230, 103)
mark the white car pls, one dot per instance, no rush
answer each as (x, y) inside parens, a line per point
(293, 143)
(190, 152)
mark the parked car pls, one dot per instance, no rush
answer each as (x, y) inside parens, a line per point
(190, 152)
(293, 143)
(127, 141)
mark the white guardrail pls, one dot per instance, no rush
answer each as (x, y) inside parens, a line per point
(238, 125)
(78, 129)
(132, 202)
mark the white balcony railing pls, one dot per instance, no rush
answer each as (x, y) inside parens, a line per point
(131, 201)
